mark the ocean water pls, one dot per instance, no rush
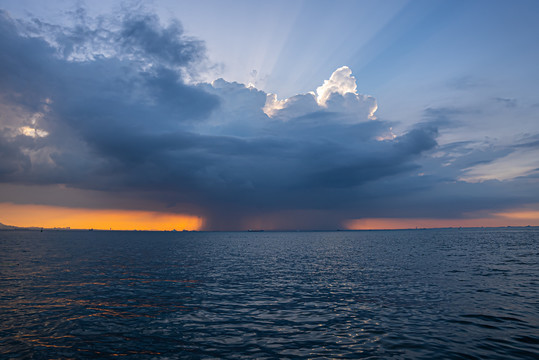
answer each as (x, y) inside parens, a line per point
(425, 294)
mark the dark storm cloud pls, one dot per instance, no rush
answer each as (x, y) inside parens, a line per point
(105, 105)
(12, 160)
(143, 35)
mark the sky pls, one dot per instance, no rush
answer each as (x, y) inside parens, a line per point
(235, 115)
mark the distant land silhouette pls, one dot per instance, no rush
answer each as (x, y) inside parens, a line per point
(40, 228)
(8, 227)
(11, 227)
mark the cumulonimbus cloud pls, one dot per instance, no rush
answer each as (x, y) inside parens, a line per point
(121, 117)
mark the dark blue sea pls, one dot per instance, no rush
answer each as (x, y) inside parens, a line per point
(418, 294)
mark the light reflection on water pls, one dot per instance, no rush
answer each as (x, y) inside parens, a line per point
(401, 294)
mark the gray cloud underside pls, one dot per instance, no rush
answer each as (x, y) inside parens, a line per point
(121, 118)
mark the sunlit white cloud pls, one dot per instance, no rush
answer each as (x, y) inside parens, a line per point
(32, 132)
(341, 82)
(338, 94)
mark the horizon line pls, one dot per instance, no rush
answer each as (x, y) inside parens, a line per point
(4, 227)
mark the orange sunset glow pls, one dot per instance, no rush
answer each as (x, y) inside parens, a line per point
(52, 216)
(513, 218)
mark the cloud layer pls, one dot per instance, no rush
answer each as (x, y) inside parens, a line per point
(112, 106)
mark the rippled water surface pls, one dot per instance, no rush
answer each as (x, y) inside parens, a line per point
(461, 294)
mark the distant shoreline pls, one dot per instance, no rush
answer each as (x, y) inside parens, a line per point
(43, 229)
